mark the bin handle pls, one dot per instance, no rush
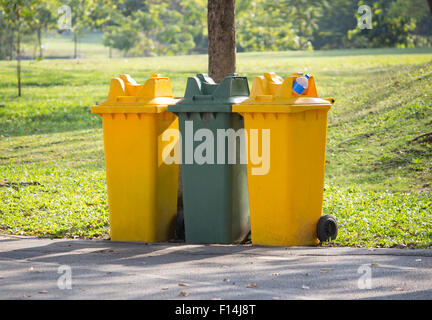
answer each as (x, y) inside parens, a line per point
(203, 97)
(331, 100)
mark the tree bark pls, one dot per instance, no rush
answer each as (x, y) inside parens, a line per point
(18, 53)
(222, 41)
(430, 5)
(75, 45)
(39, 37)
(12, 43)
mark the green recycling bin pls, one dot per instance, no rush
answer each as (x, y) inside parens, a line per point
(215, 191)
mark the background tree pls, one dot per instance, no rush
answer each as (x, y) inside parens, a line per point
(393, 23)
(101, 15)
(169, 27)
(17, 12)
(122, 37)
(333, 25)
(195, 23)
(261, 26)
(42, 17)
(79, 21)
(163, 27)
(6, 36)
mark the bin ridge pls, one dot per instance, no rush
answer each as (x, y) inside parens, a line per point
(273, 85)
(127, 96)
(155, 86)
(272, 93)
(214, 97)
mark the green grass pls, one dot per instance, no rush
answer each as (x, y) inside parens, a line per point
(378, 176)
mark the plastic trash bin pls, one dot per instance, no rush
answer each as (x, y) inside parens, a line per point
(142, 188)
(286, 201)
(215, 194)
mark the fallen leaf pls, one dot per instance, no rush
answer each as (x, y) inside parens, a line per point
(164, 289)
(305, 287)
(183, 284)
(183, 294)
(32, 269)
(276, 298)
(399, 289)
(252, 285)
(226, 280)
(325, 270)
(43, 292)
(373, 264)
(276, 274)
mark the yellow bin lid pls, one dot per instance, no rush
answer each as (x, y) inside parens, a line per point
(272, 94)
(127, 96)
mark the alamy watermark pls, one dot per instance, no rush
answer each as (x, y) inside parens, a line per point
(64, 282)
(365, 280)
(64, 21)
(232, 147)
(365, 20)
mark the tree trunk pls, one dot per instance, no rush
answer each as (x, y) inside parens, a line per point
(39, 37)
(75, 45)
(12, 44)
(430, 5)
(222, 41)
(110, 52)
(18, 53)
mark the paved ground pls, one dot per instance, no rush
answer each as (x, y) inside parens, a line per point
(32, 268)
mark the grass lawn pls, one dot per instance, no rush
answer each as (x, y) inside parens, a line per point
(378, 173)
(57, 45)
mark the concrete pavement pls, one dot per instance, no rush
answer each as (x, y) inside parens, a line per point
(32, 268)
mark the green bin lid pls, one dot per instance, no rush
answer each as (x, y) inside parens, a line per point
(204, 95)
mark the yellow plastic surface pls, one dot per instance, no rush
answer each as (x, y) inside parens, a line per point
(142, 189)
(286, 203)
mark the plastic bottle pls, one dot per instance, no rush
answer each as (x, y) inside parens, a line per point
(300, 84)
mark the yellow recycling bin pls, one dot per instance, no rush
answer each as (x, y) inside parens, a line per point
(286, 147)
(142, 188)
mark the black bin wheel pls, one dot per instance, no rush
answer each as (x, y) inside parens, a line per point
(327, 228)
(179, 226)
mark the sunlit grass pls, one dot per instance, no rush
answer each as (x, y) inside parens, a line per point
(378, 176)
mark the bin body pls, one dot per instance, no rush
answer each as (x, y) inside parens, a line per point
(142, 189)
(215, 194)
(286, 203)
